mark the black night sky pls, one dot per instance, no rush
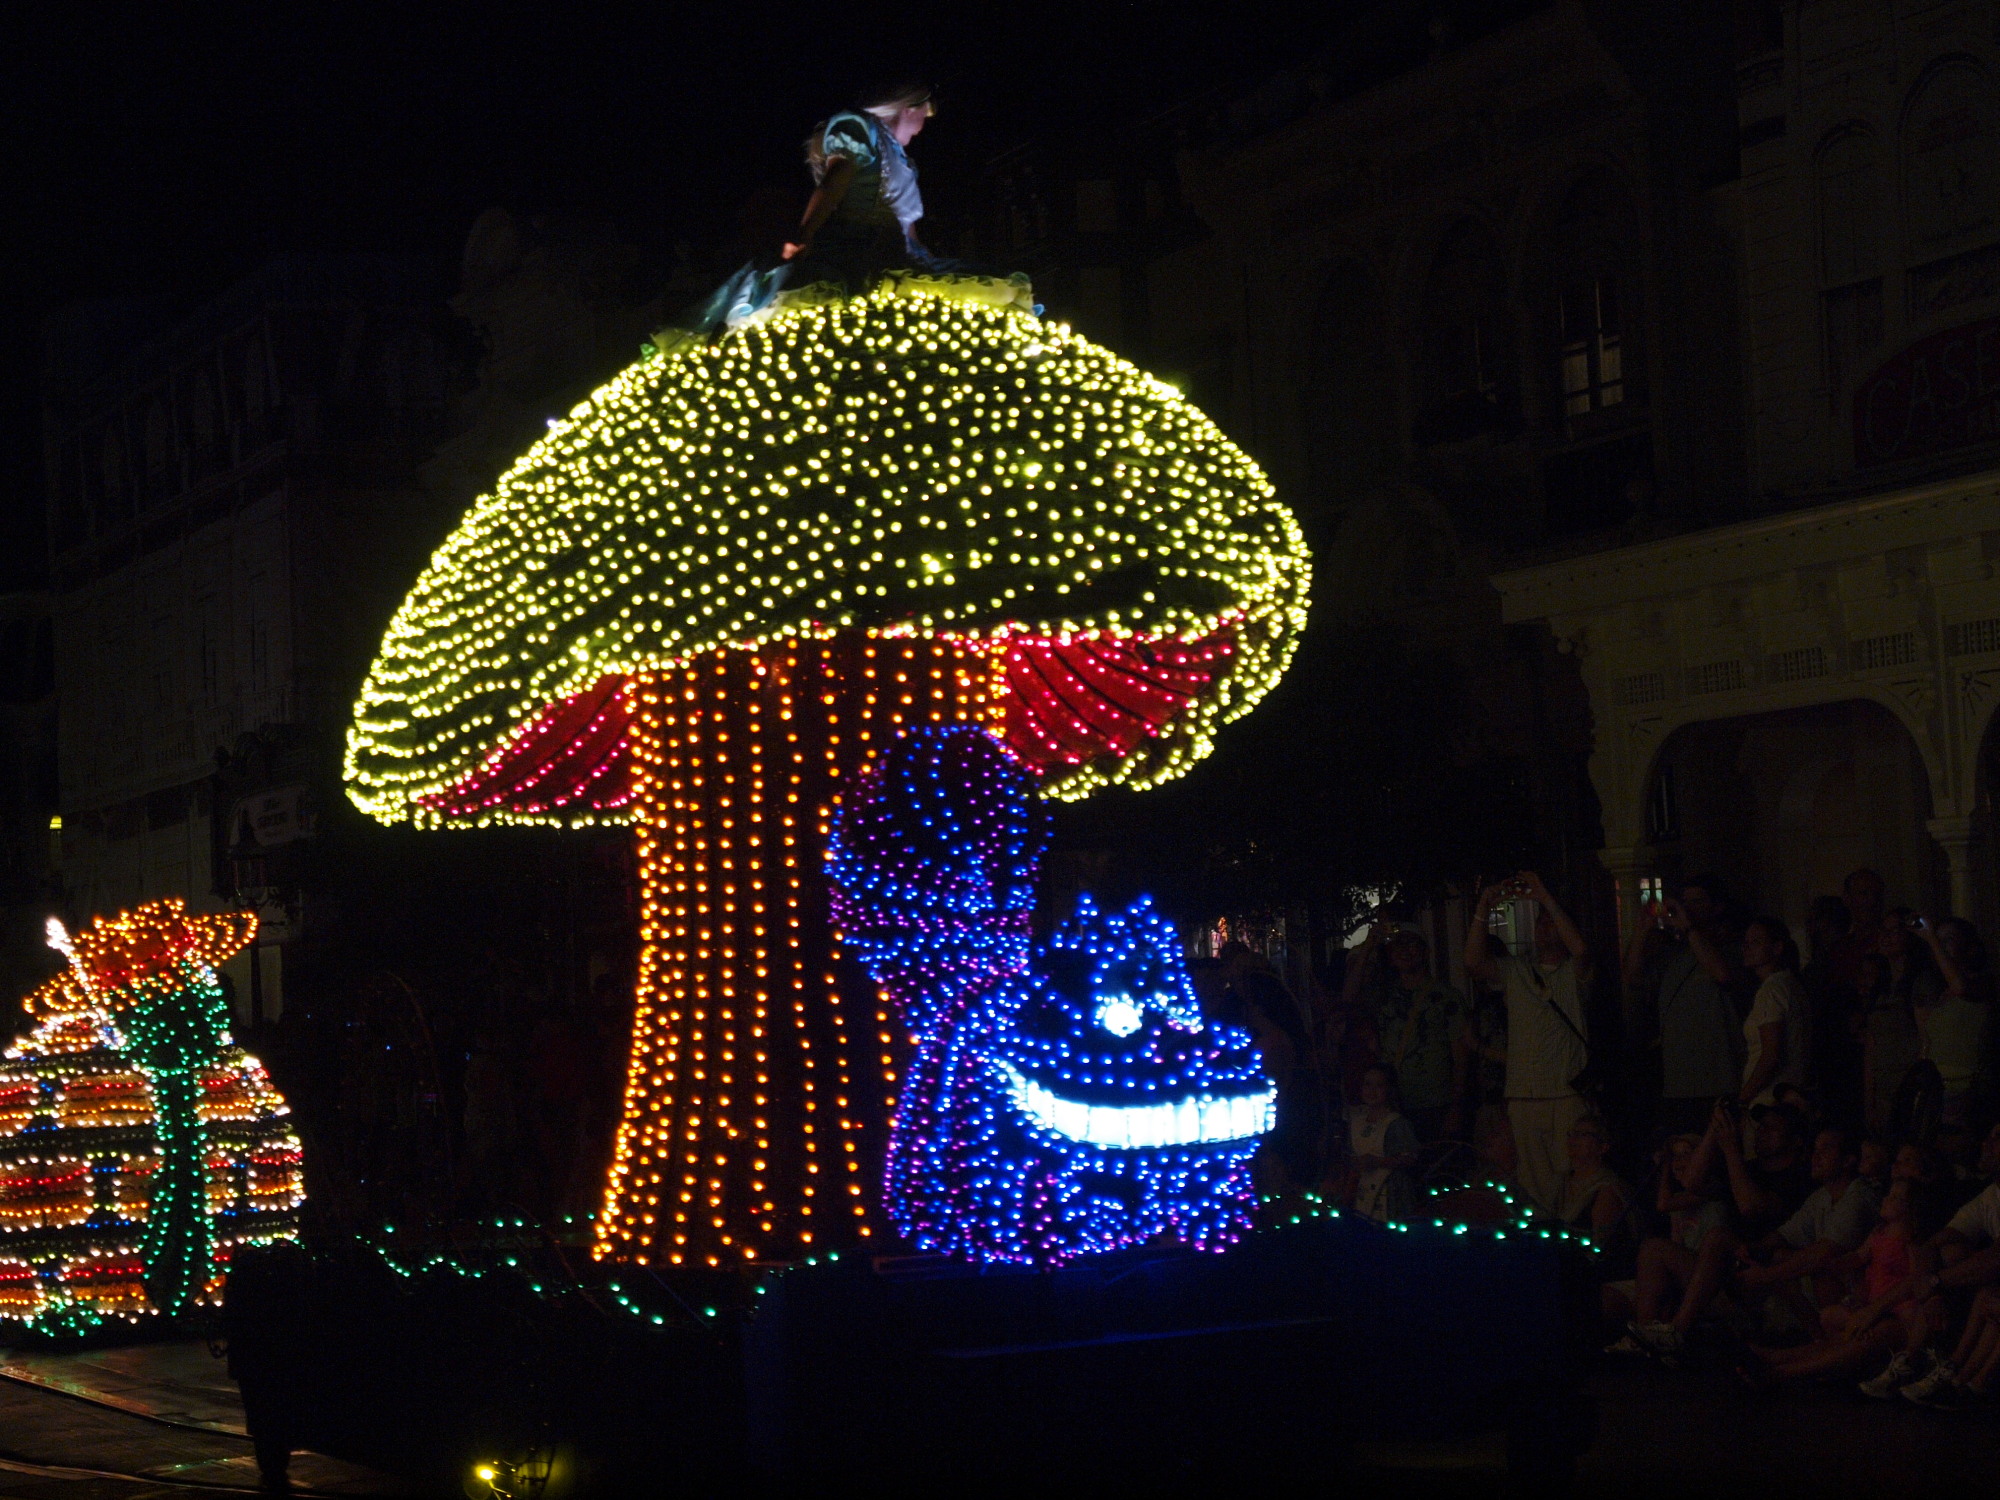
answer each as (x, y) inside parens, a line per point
(163, 151)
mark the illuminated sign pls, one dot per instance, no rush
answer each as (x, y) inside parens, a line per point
(1941, 393)
(275, 817)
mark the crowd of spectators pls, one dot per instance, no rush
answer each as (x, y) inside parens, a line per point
(1788, 1165)
(1789, 1169)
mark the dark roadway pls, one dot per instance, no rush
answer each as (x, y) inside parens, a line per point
(1679, 1433)
(1698, 1434)
(1701, 1433)
(57, 1445)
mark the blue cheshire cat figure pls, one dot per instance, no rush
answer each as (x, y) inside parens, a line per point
(1063, 1099)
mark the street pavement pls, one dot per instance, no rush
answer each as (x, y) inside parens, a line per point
(161, 1421)
(143, 1423)
(1684, 1433)
(1701, 1432)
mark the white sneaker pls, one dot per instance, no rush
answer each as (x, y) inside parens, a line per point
(1883, 1387)
(1662, 1338)
(1928, 1384)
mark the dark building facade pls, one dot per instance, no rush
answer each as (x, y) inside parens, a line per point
(228, 502)
(30, 826)
(1637, 355)
(1465, 283)
(1811, 687)
(237, 504)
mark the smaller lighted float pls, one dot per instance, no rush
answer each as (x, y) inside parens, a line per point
(139, 1147)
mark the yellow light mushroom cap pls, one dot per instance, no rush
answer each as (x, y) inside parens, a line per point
(904, 461)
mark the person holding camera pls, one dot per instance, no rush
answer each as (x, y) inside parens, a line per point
(1764, 1192)
(1682, 961)
(1547, 1030)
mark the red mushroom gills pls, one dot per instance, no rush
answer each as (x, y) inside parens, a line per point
(1066, 703)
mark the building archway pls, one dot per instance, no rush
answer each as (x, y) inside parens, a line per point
(1889, 598)
(1783, 804)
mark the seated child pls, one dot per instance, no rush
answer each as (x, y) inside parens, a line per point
(1874, 1321)
(1691, 1194)
(1382, 1147)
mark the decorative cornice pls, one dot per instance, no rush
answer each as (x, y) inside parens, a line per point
(1823, 535)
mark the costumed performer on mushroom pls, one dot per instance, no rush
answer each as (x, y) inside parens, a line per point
(860, 223)
(862, 217)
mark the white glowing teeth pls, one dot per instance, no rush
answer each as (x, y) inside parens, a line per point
(1193, 1121)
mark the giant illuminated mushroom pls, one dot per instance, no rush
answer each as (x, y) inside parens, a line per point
(699, 606)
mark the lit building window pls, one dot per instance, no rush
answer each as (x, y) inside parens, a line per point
(1593, 366)
(1594, 293)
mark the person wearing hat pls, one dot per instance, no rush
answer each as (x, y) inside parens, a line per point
(1764, 1194)
(1769, 1183)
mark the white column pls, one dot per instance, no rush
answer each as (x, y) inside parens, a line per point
(1626, 864)
(1963, 841)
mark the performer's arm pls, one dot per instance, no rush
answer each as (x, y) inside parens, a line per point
(825, 199)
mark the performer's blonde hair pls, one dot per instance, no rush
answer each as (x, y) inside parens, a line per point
(888, 103)
(883, 104)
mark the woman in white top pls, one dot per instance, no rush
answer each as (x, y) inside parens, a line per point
(1778, 1029)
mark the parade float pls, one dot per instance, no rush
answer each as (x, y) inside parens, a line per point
(828, 609)
(140, 1148)
(706, 601)
(1063, 1098)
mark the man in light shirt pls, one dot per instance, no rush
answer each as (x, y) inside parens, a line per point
(1547, 1032)
(1969, 1246)
(1833, 1221)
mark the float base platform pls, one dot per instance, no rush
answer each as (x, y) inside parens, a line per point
(1149, 1367)
(1166, 1367)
